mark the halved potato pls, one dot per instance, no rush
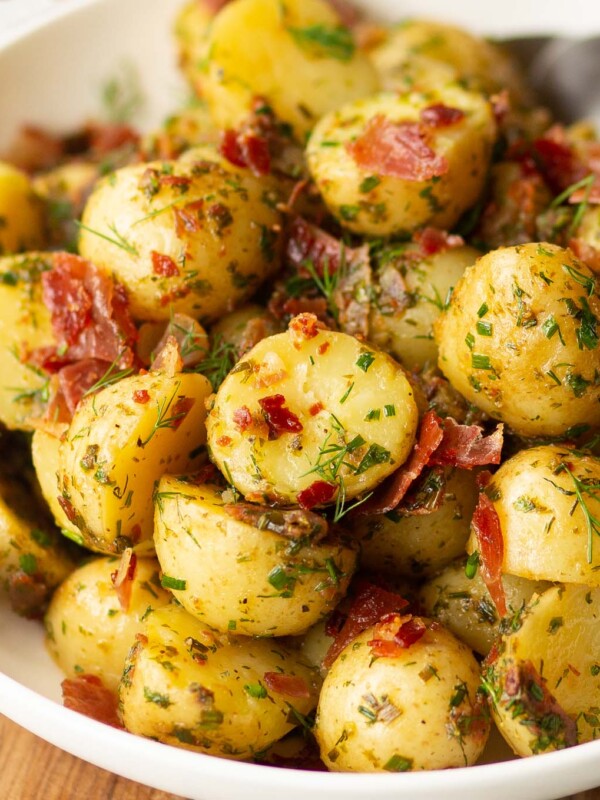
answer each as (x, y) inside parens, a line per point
(230, 567)
(311, 416)
(21, 212)
(120, 441)
(545, 683)
(191, 687)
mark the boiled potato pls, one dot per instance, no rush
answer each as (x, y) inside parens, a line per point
(65, 190)
(231, 568)
(403, 326)
(191, 687)
(294, 421)
(421, 544)
(189, 128)
(120, 441)
(33, 558)
(425, 54)
(464, 606)
(362, 159)
(519, 339)
(191, 33)
(25, 325)
(45, 454)
(174, 250)
(256, 46)
(88, 629)
(21, 213)
(549, 657)
(417, 709)
(548, 500)
(243, 328)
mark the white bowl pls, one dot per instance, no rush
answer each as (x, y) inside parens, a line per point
(52, 68)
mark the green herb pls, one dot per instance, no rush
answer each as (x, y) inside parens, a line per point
(398, 763)
(256, 690)
(364, 361)
(585, 183)
(389, 411)
(554, 624)
(168, 582)
(461, 691)
(346, 394)
(483, 310)
(28, 563)
(471, 565)
(162, 420)
(484, 328)
(41, 537)
(159, 699)
(582, 489)
(110, 376)
(480, 361)
(376, 454)
(119, 240)
(283, 581)
(349, 213)
(373, 414)
(587, 281)
(550, 327)
(369, 183)
(325, 41)
(218, 362)
(470, 340)
(328, 283)
(524, 503)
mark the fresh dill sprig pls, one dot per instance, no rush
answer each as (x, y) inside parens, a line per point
(329, 283)
(585, 183)
(109, 377)
(162, 420)
(580, 490)
(119, 240)
(219, 361)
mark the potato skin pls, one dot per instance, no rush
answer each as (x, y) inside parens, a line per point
(253, 48)
(519, 340)
(87, 629)
(119, 443)
(407, 332)
(544, 528)
(21, 212)
(240, 578)
(331, 382)
(45, 454)
(464, 606)
(558, 636)
(379, 204)
(24, 325)
(426, 690)
(193, 688)
(202, 263)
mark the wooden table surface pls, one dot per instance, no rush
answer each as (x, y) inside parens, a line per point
(31, 769)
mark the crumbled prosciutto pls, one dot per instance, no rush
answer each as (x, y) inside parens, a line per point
(317, 494)
(279, 419)
(395, 633)
(465, 446)
(188, 218)
(370, 605)
(397, 149)
(87, 695)
(558, 161)
(122, 578)
(441, 443)
(163, 265)
(246, 149)
(434, 240)
(242, 418)
(289, 685)
(294, 523)
(352, 295)
(75, 380)
(28, 594)
(439, 115)
(190, 338)
(490, 543)
(307, 242)
(304, 327)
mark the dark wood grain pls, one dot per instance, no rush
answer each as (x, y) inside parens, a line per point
(31, 769)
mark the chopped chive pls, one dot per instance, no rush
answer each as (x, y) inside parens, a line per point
(168, 582)
(480, 361)
(389, 411)
(364, 361)
(484, 328)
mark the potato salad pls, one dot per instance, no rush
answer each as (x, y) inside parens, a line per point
(300, 407)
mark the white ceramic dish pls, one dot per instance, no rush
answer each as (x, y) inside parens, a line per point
(51, 72)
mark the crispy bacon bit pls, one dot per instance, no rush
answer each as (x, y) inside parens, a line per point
(289, 685)
(69, 509)
(224, 441)
(307, 242)
(292, 523)
(141, 396)
(396, 149)
(188, 219)
(181, 182)
(304, 327)
(396, 633)
(123, 577)
(246, 149)
(175, 294)
(395, 488)
(587, 253)
(87, 695)
(315, 409)
(558, 161)
(440, 116)
(279, 419)
(67, 297)
(163, 265)
(434, 240)
(370, 605)
(75, 380)
(242, 418)
(323, 348)
(181, 409)
(317, 494)
(28, 594)
(168, 356)
(465, 446)
(490, 542)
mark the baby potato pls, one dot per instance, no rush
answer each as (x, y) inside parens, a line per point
(33, 556)
(404, 327)
(416, 709)
(421, 544)
(21, 213)
(120, 441)
(255, 46)
(544, 685)
(88, 629)
(425, 54)
(189, 128)
(295, 421)
(363, 160)
(244, 327)
(253, 570)
(191, 33)
(25, 325)
(153, 228)
(519, 339)
(464, 606)
(546, 499)
(45, 454)
(191, 687)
